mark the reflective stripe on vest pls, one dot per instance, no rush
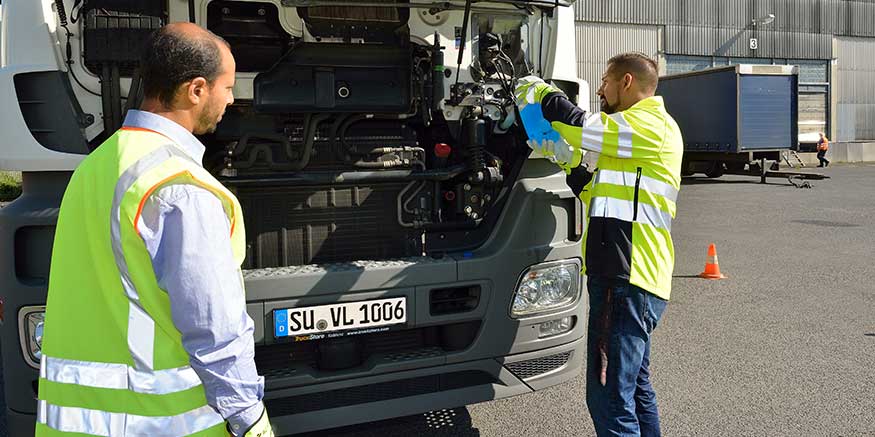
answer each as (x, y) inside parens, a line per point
(118, 376)
(141, 327)
(646, 183)
(625, 210)
(103, 423)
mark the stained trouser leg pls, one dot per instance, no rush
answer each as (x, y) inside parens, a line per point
(645, 399)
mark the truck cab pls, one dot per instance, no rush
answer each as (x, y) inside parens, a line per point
(376, 154)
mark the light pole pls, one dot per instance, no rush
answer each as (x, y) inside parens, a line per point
(756, 22)
(762, 21)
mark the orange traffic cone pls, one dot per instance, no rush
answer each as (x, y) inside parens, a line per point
(712, 269)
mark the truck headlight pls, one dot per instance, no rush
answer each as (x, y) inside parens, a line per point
(546, 288)
(30, 331)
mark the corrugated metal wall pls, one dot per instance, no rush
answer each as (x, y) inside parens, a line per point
(592, 52)
(724, 41)
(855, 88)
(841, 17)
(802, 28)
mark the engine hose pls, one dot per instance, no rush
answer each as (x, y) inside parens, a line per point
(335, 131)
(418, 189)
(385, 150)
(351, 177)
(311, 123)
(310, 129)
(344, 148)
(380, 164)
(400, 197)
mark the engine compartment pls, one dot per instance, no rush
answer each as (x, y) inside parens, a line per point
(353, 138)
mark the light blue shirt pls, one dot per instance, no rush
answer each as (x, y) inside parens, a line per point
(187, 234)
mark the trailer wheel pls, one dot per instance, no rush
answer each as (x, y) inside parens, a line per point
(735, 166)
(687, 169)
(716, 170)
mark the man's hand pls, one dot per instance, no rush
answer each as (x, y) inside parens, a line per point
(259, 429)
(531, 89)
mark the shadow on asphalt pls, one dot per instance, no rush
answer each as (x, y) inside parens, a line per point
(451, 422)
(719, 181)
(827, 223)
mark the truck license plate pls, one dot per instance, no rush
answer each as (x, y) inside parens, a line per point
(325, 319)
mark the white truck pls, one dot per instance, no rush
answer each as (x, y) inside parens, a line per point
(374, 148)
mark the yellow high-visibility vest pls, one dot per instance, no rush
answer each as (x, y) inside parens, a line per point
(113, 363)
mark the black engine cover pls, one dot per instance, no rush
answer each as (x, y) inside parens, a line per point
(327, 77)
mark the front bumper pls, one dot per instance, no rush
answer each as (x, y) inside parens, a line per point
(417, 391)
(404, 393)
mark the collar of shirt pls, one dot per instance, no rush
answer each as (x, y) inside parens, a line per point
(170, 129)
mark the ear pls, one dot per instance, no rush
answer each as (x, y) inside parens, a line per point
(627, 81)
(197, 90)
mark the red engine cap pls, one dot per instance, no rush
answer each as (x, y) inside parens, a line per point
(442, 150)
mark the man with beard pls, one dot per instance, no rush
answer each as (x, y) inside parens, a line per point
(628, 251)
(146, 330)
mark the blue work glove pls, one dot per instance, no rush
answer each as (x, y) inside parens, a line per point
(529, 92)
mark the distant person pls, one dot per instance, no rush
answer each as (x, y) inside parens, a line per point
(822, 147)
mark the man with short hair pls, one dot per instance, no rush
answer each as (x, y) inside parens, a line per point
(628, 251)
(146, 330)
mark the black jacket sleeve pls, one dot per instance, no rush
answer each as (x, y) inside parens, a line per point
(556, 107)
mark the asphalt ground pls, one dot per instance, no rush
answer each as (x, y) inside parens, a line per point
(784, 347)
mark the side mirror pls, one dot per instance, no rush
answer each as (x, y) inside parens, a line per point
(577, 91)
(583, 95)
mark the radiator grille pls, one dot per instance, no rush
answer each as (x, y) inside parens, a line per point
(538, 366)
(289, 226)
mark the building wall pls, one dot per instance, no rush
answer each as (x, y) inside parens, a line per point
(714, 32)
(592, 52)
(855, 59)
(839, 17)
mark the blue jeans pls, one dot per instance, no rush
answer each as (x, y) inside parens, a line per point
(619, 395)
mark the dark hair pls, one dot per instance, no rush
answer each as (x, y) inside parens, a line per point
(639, 65)
(171, 58)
